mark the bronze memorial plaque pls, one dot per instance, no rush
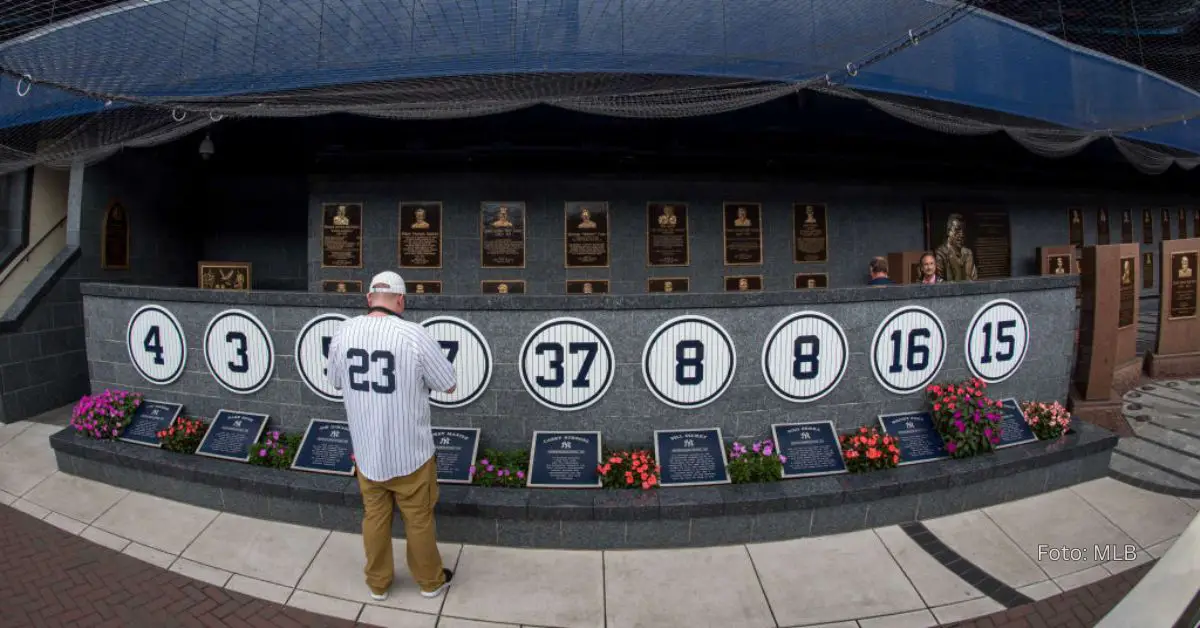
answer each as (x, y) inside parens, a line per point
(1196, 223)
(587, 286)
(1128, 294)
(742, 235)
(807, 281)
(1183, 224)
(1183, 284)
(1166, 224)
(339, 285)
(586, 235)
(810, 234)
(502, 235)
(423, 287)
(667, 284)
(1126, 226)
(970, 242)
(1075, 217)
(224, 275)
(1102, 230)
(1147, 270)
(1060, 264)
(744, 283)
(667, 235)
(503, 286)
(1147, 226)
(421, 235)
(342, 235)
(114, 238)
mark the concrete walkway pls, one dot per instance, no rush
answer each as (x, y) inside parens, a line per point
(1164, 454)
(937, 572)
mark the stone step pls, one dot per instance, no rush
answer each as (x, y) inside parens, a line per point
(1180, 442)
(1180, 465)
(1142, 475)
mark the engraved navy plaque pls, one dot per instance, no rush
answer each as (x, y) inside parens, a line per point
(564, 460)
(918, 438)
(325, 448)
(1014, 429)
(456, 450)
(693, 457)
(150, 418)
(810, 448)
(231, 435)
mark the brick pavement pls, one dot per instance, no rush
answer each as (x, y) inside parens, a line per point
(1078, 608)
(51, 578)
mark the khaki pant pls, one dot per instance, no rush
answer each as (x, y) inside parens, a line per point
(415, 495)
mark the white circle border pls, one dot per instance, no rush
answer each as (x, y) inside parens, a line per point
(182, 338)
(971, 327)
(266, 379)
(788, 320)
(704, 321)
(875, 343)
(603, 341)
(312, 322)
(487, 352)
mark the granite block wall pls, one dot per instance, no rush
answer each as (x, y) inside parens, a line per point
(628, 412)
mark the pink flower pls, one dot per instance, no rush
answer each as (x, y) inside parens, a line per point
(951, 447)
(262, 453)
(520, 475)
(782, 458)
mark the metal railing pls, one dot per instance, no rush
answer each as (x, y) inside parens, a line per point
(18, 274)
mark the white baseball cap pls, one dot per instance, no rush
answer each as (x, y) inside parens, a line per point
(387, 282)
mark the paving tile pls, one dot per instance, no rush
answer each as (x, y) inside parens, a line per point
(395, 618)
(325, 605)
(914, 619)
(821, 579)
(150, 555)
(267, 550)
(966, 610)
(191, 569)
(259, 588)
(1140, 557)
(840, 624)
(26, 460)
(1148, 518)
(976, 538)
(7, 498)
(30, 509)
(455, 622)
(1077, 579)
(337, 571)
(557, 587)
(1193, 502)
(937, 585)
(731, 592)
(1161, 549)
(66, 524)
(100, 537)
(78, 498)
(9, 431)
(1040, 590)
(156, 522)
(1060, 520)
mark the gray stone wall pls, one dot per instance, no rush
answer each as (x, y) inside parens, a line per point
(864, 221)
(628, 412)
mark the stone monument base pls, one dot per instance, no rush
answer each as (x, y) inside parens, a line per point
(1127, 376)
(1171, 366)
(1105, 413)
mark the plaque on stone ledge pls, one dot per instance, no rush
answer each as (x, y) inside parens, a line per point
(810, 448)
(326, 448)
(916, 436)
(1183, 224)
(586, 235)
(742, 234)
(342, 235)
(1147, 226)
(150, 418)
(1075, 222)
(423, 287)
(808, 281)
(744, 283)
(810, 233)
(693, 457)
(1128, 294)
(341, 286)
(1166, 224)
(1014, 428)
(1183, 285)
(1102, 230)
(231, 435)
(456, 449)
(667, 284)
(1147, 271)
(1127, 226)
(667, 236)
(502, 234)
(502, 286)
(587, 286)
(564, 460)
(420, 238)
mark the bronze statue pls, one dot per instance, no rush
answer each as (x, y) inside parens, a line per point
(955, 262)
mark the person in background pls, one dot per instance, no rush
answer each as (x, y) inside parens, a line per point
(385, 367)
(878, 268)
(929, 268)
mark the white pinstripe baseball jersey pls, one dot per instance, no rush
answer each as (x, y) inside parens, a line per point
(385, 367)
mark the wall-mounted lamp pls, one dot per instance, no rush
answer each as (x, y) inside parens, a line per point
(206, 147)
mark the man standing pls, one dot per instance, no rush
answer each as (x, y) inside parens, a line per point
(385, 367)
(929, 269)
(878, 269)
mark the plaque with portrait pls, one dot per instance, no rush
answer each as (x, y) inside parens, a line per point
(742, 234)
(1075, 222)
(342, 286)
(810, 234)
(667, 284)
(586, 235)
(1183, 284)
(1060, 264)
(502, 235)
(969, 241)
(1128, 294)
(809, 281)
(115, 238)
(421, 234)
(502, 286)
(667, 235)
(1183, 224)
(1166, 224)
(1147, 226)
(1127, 226)
(1102, 230)
(587, 286)
(224, 275)
(1147, 270)
(423, 287)
(744, 283)
(342, 235)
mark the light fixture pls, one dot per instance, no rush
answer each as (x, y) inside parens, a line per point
(206, 147)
